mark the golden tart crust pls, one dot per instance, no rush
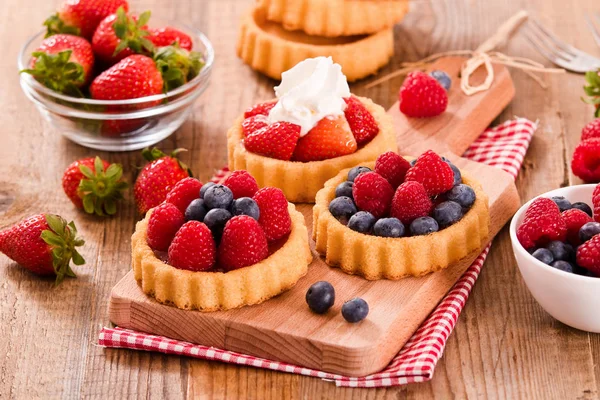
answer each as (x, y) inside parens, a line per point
(212, 291)
(268, 48)
(300, 181)
(335, 17)
(376, 257)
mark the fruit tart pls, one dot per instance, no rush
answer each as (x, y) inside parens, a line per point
(220, 246)
(394, 218)
(314, 129)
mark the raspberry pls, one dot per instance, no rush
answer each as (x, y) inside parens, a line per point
(372, 193)
(243, 243)
(184, 192)
(362, 124)
(274, 215)
(432, 172)
(410, 202)
(575, 219)
(277, 140)
(596, 203)
(165, 221)
(260, 109)
(586, 160)
(591, 130)
(422, 96)
(241, 183)
(392, 167)
(193, 248)
(254, 123)
(543, 223)
(588, 255)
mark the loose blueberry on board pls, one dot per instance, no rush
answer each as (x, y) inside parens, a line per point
(463, 195)
(196, 211)
(588, 231)
(424, 226)
(443, 78)
(354, 172)
(561, 251)
(544, 255)
(562, 203)
(205, 187)
(218, 196)
(563, 266)
(362, 222)
(320, 297)
(216, 219)
(344, 189)
(355, 310)
(389, 227)
(583, 207)
(447, 213)
(245, 206)
(342, 208)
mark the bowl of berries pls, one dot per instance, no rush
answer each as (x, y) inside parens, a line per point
(111, 79)
(556, 242)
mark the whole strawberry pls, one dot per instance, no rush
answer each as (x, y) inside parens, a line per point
(163, 224)
(241, 183)
(44, 244)
(63, 63)
(184, 192)
(193, 248)
(157, 178)
(432, 172)
(243, 243)
(592, 90)
(81, 17)
(94, 185)
(586, 160)
(277, 140)
(372, 193)
(362, 124)
(168, 36)
(274, 215)
(591, 130)
(421, 96)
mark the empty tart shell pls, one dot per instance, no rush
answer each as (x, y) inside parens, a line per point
(268, 48)
(300, 181)
(334, 18)
(375, 257)
(212, 291)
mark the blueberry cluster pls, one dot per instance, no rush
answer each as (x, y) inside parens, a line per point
(216, 206)
(321, 296)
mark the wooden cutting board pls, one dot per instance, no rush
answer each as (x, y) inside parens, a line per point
(284, 329)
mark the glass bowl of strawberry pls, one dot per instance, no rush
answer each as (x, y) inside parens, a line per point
(556, 242)
(117, 99)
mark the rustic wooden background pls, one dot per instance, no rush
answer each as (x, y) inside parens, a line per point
(504, 345)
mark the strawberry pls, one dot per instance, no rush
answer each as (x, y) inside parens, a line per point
(421, 96)
(168, 36)
(242, 184)
(591, 130)
(392, 167)
(94, 185)
(135, 76)
(330, 138)
(254, 123)
(63, 63)
(177, 65)
(362, 124)
(410, 202)
(372, 193)
(596, 203)
(575, 219)
(432, 172)
(157, 178)
(44, 244)
(81, 17)
(260, 109)
(588, 255)
(277, 140)
(163, 224)
(592, 89)
(184, 192)
(274, 215)
(243, 243)
(542, 224)
(120, 35)
(193, 248)
(586, 160)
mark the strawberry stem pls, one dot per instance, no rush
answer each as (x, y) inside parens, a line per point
(132, 34)
(101, 189)
(56, 72)
(592, 89)
(62, 239)
(177, 66)
(54, 25)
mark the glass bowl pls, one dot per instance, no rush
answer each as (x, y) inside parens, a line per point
(121, 125)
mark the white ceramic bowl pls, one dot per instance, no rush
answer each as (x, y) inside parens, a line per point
(572, 299)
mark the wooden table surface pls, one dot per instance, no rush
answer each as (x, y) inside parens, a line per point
(504, 345)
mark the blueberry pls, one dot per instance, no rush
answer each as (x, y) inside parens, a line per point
(563, 266)
(245, 206)
(423, 226)
(355, 310)
(205, 187)
(215, 220)
(413, 162)
(457, 174)
(354, 172)
(583, 207)
(195, 211)
(442, 78)
(588, 231)
(361, 222)
(544, 255)
(561, 251)
(447, 213)
(344, 189)
(218, 196)
(320, 297)
(342, 208)
(463, 195)
(562, 203)
(389, 227)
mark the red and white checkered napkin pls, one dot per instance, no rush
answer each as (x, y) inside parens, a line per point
(503, 146)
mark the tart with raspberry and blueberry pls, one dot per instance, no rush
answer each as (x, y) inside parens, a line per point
(311, 131)
(220, 246)
(394, 218)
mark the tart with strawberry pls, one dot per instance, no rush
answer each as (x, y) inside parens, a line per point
(220, 246)
(313, 129)
(395, 218)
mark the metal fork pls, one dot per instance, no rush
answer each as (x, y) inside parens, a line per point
(557, 51)
(595, 31)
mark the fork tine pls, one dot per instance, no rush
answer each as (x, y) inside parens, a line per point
(595, 32)
(564, 46)
(542, 42)
(542, 49)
